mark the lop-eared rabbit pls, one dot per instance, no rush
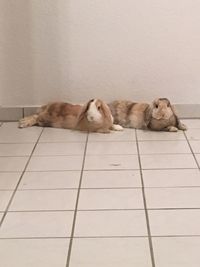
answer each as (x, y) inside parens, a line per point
(158, 116)
(94, 116)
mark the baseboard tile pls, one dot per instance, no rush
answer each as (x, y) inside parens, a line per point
(10, 113)
(188, 111)
(29, 111)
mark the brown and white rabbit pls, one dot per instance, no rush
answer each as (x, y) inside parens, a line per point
(158, 116)
(94, 116)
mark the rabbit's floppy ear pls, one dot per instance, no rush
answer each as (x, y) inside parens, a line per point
(105, 109)
(148, 115)
(179, 125)
(172, 108)
(84, 110)
(175, 114)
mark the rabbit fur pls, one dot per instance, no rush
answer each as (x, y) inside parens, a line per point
(94, 116)
(158, 116)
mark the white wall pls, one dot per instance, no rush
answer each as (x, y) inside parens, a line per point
(73, 50)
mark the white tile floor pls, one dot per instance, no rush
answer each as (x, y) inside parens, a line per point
(69, 199)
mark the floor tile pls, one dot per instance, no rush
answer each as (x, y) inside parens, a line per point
(9, 180)
(44, 200)
(55, 163)
(195, 146)
(171, 178)
(168, 161)
(62, 135)
(111, 179)
(173, 197)
(16, 149)
(109, 252)
(111, 162)
(60, 149)
(10, 133)
(193, 134)
(111, 148)
(37, 224)
(111, 223)
(125, 135)
(33, 252)
(164, 147)
(50, 180)
(156, 136)
(95, 199)
(198, 158)
(13, 164)
(192, 123)
(110, 227)
(177, 251)
(174, 222)
(4, 199)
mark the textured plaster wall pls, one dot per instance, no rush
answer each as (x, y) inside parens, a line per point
(73, 50)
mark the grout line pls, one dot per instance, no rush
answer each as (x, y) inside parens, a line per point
(16, 143)
(34, 238)
(99, 237)
(139, 140)
(39, 211)
(29, 142)
(17, 156)
(75, 237)
(62, 141)
(73, 188)
(15, 190)
(102, 188)
(145, 206)
(137, 169)
(107, 170)
(145, 154)
(163, 154)
(80, 154)
(102, 210)
(76, 206)
(174, 140)
(192, 151)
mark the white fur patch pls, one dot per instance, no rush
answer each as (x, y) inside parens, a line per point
(93, 114)
(112, 118)
(116, 127)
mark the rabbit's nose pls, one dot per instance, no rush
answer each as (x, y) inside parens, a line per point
(90, 118)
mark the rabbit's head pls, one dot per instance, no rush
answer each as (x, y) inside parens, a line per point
(161, 108)
(95, 114)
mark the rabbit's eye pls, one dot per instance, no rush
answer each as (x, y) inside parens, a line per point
(98, 107)
(156, 106)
